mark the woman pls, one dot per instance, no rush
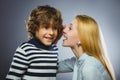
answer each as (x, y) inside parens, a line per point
(91, 63)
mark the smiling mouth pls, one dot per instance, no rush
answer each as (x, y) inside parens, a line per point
(49, 38)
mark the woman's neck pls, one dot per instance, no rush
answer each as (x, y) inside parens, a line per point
(77, 50)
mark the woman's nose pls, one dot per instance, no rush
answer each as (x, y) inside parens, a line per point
(64, 28)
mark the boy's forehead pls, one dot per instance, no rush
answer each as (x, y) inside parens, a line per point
(49, 24)
(49, 21)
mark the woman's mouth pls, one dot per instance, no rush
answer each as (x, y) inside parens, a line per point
(65, 38)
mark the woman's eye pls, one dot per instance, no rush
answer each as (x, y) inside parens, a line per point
(69, 28)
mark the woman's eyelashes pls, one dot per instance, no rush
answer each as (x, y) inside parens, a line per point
(69, 28)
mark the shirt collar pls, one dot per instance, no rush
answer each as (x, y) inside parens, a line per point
(82, 58)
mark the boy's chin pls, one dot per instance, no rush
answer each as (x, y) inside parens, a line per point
(48, 44)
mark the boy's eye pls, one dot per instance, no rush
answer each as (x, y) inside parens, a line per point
(46, 27)
(55, 28)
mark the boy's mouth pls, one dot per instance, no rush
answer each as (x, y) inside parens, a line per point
(49, 38)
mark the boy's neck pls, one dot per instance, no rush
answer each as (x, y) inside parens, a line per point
(35, 41)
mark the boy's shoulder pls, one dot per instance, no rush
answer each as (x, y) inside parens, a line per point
(54, 47)
(25, 44)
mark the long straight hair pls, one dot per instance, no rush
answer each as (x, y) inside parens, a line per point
(91, 42)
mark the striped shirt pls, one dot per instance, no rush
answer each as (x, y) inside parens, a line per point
(34, 61)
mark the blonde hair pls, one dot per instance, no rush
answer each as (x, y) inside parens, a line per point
(91, 42)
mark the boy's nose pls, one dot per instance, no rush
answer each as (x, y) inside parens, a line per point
(51, 31)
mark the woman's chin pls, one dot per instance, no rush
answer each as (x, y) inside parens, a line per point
(65, 45)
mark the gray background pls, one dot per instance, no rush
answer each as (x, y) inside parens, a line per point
(13, 14)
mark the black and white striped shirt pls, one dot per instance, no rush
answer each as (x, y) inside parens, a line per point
(34, 61)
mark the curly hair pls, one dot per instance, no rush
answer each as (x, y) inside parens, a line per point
(42, 15)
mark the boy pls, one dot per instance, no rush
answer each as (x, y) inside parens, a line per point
(37, 59)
